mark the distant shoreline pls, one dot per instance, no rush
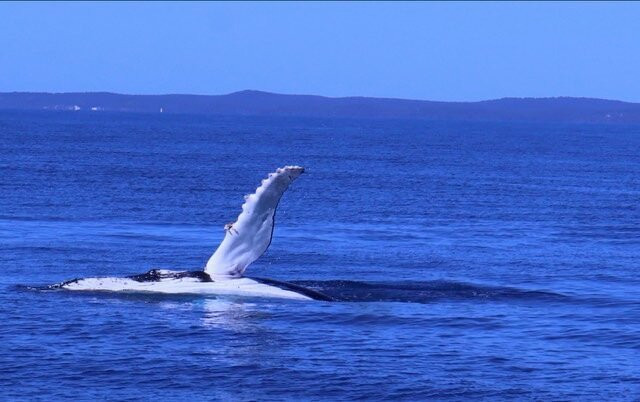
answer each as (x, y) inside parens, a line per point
(258, 103)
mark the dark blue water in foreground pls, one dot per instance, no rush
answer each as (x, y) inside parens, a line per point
(475, 260)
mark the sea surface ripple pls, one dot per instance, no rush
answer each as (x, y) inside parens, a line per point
(485, 261)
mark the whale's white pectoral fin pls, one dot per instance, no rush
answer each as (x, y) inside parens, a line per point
(249, 236)
(245, 240)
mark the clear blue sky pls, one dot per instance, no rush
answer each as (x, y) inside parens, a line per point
(438, 51)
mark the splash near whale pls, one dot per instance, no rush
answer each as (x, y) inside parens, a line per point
(245, 241)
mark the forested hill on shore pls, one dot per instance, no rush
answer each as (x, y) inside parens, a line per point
(258, 103)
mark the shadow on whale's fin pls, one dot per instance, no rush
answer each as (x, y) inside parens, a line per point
(250, 235)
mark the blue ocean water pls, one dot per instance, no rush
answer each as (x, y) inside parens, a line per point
(472, 260)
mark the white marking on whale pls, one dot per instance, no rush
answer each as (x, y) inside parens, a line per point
(245, 241)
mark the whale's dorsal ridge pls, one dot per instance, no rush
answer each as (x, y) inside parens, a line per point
(250, 235)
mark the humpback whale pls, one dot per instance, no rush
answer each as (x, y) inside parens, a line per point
(245, 241)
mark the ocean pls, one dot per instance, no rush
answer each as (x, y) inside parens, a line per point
(468, 260)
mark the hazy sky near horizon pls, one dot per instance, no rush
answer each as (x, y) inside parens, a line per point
(438, 51)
